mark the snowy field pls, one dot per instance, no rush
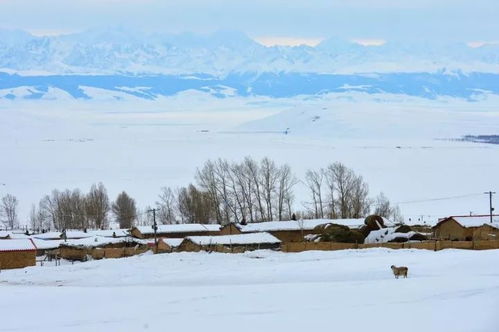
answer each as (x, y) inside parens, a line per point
(351, 290)
(399, 144)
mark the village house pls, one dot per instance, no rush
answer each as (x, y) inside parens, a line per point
(164, 244)
(175, 231)
(17, 253)
(101, 247)
(288, 231)
(44, 246)
(467, 228)
(230, 243)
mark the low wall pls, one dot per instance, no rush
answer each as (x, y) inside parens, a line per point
(428, 245)
(454, 245)
(116, 252)
(81, 254)
(303, 246)
(486, 244)
(17, 259)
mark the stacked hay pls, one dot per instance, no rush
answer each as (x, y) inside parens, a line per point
(372, 223)
(337, 233)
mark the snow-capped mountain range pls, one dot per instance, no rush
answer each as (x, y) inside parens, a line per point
(147, 65)
(119, 50)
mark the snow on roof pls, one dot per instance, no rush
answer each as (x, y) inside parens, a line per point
(292, 225)
(180, 228)
(476, 221)
(47, 244)
(172, 242)
(109, 232)
(16, 245)
(386, 235)
(70, 234)
(252, 238)
(96, 241)
(13, 235)
(47, 235)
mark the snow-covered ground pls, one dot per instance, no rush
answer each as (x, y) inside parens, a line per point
(397, 143)
(350, 290)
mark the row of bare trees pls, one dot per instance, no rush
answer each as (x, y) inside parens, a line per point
(249, 191)
(71, 209)
(224, 192)
(337, 192)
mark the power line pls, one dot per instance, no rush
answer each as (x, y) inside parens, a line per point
(440, 198)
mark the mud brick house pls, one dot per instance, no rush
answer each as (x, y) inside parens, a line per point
(176, 231)
(230, 243)
(467, 228)
(17, 253)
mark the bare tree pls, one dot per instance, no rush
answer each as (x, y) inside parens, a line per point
(360, 204)
(48, 208)
(268, 183)
(144, 217)
(346, 192)
(244, 189)
(195, 206)
(70, 210)
(36, 219)
(124, 210)
(343, 178)
(210, 184)
(248, 190)
(285, 192)
(64, 210)
(167, 206)
(383, 208)
(315, 181)
(253, 173)
(8, 211)
(97, 206)
(331, 188)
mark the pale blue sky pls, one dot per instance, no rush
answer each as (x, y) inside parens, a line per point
(453, 20)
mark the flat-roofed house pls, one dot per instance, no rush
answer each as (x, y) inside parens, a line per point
(230, 243)
(175, 230)
(17, 253)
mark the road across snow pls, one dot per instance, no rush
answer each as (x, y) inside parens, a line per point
(350, 290)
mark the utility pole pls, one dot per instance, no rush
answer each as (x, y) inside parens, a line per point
(491, 209)
(155, 227)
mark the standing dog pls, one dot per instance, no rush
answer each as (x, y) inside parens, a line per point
(399, 271)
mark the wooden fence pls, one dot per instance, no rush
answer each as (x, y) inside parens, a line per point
(428, 245)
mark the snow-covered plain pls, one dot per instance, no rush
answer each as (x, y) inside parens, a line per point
(350, 290)
(399, 144)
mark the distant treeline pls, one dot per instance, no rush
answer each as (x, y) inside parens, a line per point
(223, 192)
